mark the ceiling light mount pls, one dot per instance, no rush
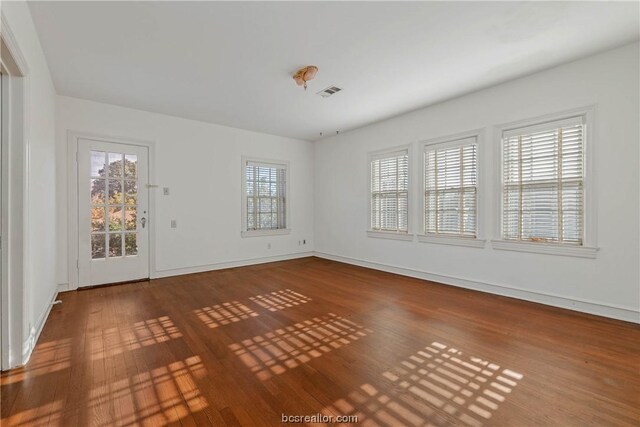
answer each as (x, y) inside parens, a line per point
(303, 75)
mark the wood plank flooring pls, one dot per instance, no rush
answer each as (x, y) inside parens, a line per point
(244, 346)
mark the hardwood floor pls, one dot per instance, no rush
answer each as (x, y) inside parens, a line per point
(244, 346)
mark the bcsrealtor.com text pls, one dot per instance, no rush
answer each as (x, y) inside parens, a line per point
(318, 418)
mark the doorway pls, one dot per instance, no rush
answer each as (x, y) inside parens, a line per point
(14, 331)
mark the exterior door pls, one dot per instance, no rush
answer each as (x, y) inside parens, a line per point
(113, 208)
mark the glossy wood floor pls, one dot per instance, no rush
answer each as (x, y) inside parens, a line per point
(244, 346)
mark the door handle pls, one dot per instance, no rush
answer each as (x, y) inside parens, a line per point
(143, 221)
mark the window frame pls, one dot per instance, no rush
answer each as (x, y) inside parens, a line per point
(589, 247)
(384, 234)
(244, 232)
(450, 141)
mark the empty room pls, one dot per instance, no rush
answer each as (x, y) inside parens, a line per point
(319, 213)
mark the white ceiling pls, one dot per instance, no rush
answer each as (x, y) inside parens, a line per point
(231, 63)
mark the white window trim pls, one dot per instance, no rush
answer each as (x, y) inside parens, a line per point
(243, 200)
(379, 154)
(259, 233)
(544, 248)
(589, 248)
(443, 239)
(392, 235)
(453, 141)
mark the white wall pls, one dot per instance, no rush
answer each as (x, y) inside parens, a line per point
(608, 285)
(40, 240)
(201, 165)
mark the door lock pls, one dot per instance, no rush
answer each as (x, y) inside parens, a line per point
(143, 221)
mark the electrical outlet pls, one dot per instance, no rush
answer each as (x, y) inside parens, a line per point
(165, 191)
(174, 223)
(304, 242)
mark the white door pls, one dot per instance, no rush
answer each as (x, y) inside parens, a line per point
(113, 208)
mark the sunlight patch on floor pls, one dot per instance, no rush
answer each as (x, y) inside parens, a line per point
(39, 416)
(436, 386)
(47, 357)
(279, 300)
(287, 348)
(116, 340)
(224, 314)
(160, 396)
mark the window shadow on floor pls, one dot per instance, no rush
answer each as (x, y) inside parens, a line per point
(436, 386)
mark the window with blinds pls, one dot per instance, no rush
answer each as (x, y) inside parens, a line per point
(543, 183)
(390, 192)
(450, 188)
(266, 196)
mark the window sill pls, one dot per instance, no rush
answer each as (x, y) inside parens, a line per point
(545, 248)
(258, 233)
(451, 240)
(393, 235)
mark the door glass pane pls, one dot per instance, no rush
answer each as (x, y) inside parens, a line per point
(131, 192)
(97, 163)
(113, 204)
(115, 218)
(98, 191)
(97, 219)
(131, 244)
(97, 246)
(130, 165)
(130, 218)
(115, 165)
(115, 192)
(115, 245)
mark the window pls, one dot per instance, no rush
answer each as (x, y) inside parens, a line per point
(543, 183)
(450, 188)
(389, 174)
(265, 201)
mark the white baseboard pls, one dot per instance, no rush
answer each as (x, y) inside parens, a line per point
(585, 306)
(34, 334)
(591, 307)
(64, 287)
(230, 264)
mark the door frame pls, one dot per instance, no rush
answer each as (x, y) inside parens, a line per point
(73, 218)
(16, 334)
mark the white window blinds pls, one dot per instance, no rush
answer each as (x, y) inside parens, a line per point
(543, 183)
(450, 188)
(266, 196)
(390, 192)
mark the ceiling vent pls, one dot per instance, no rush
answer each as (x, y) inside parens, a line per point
(325, 93)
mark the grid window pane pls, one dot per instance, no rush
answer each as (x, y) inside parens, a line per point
(450, 188)
(115, 218)
(265, 194)
(115, 245)
(115, 165)
(130, 218)
(130, 244)
(98, 219)
(390, 192)
(543, 184)
(115, 192)
(98, 246)
(98, 187)
(130, 166)
(97, 163)
(130, 192)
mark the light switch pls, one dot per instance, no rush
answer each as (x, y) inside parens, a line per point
(165, 191)
(174, 223)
